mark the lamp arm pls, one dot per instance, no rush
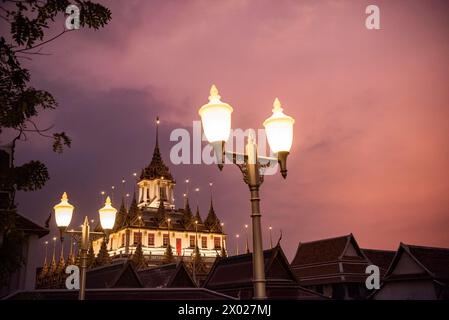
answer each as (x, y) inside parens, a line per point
(241, 160)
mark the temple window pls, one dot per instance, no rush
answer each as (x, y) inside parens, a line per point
(217, 243)
(151, 239)
(137, 238)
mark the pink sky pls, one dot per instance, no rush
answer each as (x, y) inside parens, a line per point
(371, 147)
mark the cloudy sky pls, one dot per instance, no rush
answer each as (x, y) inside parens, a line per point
(371, 147)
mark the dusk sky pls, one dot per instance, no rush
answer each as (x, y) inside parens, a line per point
(371, 147)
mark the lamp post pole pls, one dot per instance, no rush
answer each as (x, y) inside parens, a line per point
(85, 231)
(237, 244)
(253, 179)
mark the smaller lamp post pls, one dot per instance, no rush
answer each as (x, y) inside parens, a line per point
(247, 243)
(271, 239)
(237, 236)
(168, 228)
(194, 252)
(63, 216)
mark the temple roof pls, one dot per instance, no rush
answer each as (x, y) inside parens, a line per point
(167, 276)
(330, 261)
(381, 258)
(157, 168)
(156, 218)
(234, 275)
(432, 260)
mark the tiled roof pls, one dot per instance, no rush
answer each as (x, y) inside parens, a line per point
(149, 221)
(169, 275)
(28, 226)
(233, 275)
(436, 260)
(328, 261)
(320, 251)
(381, 258)
(116, 275)
(235, 269)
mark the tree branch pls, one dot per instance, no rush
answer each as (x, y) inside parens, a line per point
(42, 43)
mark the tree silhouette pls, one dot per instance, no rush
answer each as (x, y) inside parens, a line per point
(168, 255)
(103, 257)
(223, 252)
(138, 259)
(198, 261)
(90, 256)
(21, 104)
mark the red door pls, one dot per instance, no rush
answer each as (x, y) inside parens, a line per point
(178, 246)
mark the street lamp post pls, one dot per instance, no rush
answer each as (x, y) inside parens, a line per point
(271, 239)
(194, 252)
(216, 121)
(222, 236)
(168, 228)
(237, 236)
(63, 216)
(247, 243)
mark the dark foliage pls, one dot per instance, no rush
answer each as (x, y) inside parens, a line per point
(21, 104)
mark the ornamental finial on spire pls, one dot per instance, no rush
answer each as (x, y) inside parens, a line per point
(64, 197)
(108, 201)
(214, 93)
(277, 105)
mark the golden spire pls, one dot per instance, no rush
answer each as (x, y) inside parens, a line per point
(45, 266)
(53, 259)
(61, 263)
(71, 257)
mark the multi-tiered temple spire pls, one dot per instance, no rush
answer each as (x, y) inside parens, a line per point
(157, 168)
(156, 181)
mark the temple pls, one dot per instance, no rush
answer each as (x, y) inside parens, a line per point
(152, 221)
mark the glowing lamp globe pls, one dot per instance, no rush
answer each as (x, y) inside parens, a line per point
(107, 215)
(216, 117)
(279, 129)
(63, 212)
